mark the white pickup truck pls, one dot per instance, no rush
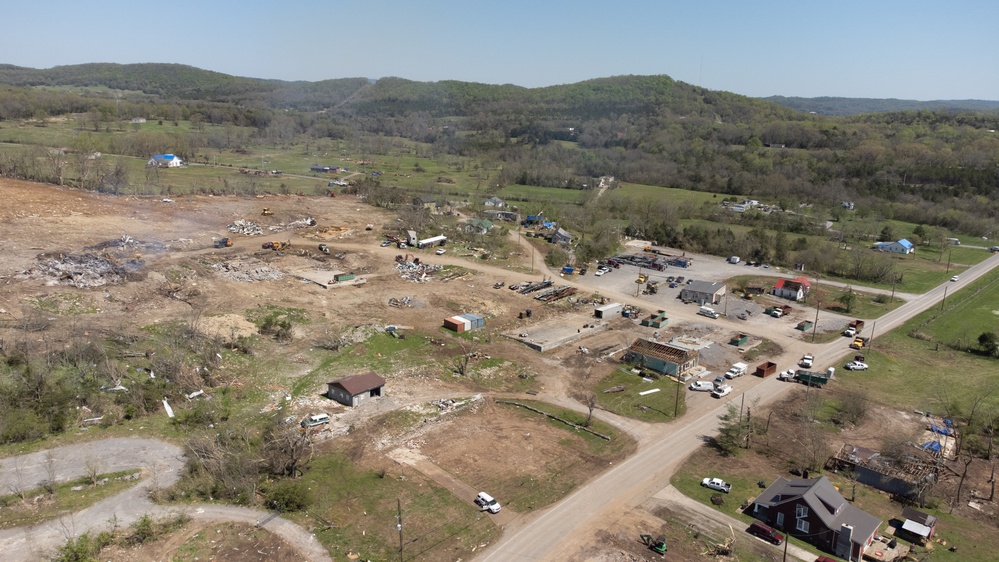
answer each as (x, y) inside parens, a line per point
(806, 361)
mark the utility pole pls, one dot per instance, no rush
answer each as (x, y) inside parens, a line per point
(676, 404)
(874, 327)
(949, 252)
(815, 325)
(894, 279)
(398, 525)
(944, 299)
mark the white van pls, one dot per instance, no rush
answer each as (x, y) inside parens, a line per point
(708, 311)
(486, 502)
(316, 420)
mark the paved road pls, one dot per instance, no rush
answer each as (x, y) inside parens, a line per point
(550, 536)
(161, 464)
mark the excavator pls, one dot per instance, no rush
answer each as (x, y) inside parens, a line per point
(267, 212)
(276, 246)
(657, 545)
(223, 243)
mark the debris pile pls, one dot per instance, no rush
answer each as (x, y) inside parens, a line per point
(247, 271)
(399, 303)
(127, 243)
(417, 272)
(80, 270)
(249, 228)
(300, 223)
(328, 232)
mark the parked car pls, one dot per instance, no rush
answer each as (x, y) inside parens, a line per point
(765, 532)
(385, 244)
(721, 391)
(440, 251)
(719, 380)
(600, 272)
(486, 502)
(954, 278)
(673, 285)
(671, 278)
(856, 366)
(679, 279)
(717, 484)
(702, 386)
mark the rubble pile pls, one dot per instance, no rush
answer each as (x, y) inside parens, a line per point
(127, 243)
(301, 223)
(79, 270)
(247, 271)
(399, 303)
(328, 232)
(417, 272)
(249, 228)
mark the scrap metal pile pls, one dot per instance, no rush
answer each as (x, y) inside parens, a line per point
(417, 272)
(249, 228)
(534, 287)
(247, 271)
(556, 293)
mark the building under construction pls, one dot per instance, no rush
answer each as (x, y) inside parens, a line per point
(908, 476)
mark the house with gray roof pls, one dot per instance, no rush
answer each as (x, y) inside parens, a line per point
(815, 512)
(703, 292)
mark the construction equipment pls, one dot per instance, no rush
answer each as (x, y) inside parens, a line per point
(267, 212)
(223, 243)
(324, 249)
(657, 545)
(406, 258)
(642, 278)
(276, 246)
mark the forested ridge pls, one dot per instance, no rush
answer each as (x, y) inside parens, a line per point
(932, 167)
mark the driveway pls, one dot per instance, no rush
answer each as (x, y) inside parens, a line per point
(160, 463)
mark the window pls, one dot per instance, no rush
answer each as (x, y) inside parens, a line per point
(802, 525)
(800, 511)
(780, 520)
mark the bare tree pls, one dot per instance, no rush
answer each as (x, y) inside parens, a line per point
(287, 450)
(50, 472)
(93, 467)
(468, 351)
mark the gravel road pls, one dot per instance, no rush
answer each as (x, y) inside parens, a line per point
(160, 463)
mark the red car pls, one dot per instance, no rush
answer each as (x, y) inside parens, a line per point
(765, 532)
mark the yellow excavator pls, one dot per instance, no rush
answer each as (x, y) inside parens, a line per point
(267, 212)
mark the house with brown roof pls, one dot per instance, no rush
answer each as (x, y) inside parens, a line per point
(353, 390)
(815, 512)
(665, 358)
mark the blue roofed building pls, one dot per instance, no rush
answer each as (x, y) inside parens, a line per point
(902, 246)
(164, 161)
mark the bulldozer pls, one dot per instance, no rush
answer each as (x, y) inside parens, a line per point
(276, 246)
(657, 545)
(324, 249)
(223, 243)
(267, 212)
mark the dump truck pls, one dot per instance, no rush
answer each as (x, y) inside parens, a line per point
(854, 328)
(860, 343)
(764, 370)
(813, 378)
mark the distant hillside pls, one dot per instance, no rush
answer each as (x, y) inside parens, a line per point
(855, 106)
(182, 82)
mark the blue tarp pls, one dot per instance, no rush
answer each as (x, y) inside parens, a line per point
(941, 430)
(932, 446)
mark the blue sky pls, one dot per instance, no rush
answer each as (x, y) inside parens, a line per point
(875, 48)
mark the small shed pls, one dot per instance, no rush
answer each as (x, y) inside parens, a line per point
(608, 310)
(917, 526)
(355, 389)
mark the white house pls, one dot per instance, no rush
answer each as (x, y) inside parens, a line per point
(164, 161)
(495, 202)
(903, 246)
(738, 208)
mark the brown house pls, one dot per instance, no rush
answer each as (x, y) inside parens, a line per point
(353, 390)
(812, 510)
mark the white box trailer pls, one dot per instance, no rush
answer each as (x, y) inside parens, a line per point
(432, 241)
(608, 310)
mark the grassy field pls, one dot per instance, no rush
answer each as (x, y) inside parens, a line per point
(655, 407)
(924, 372)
